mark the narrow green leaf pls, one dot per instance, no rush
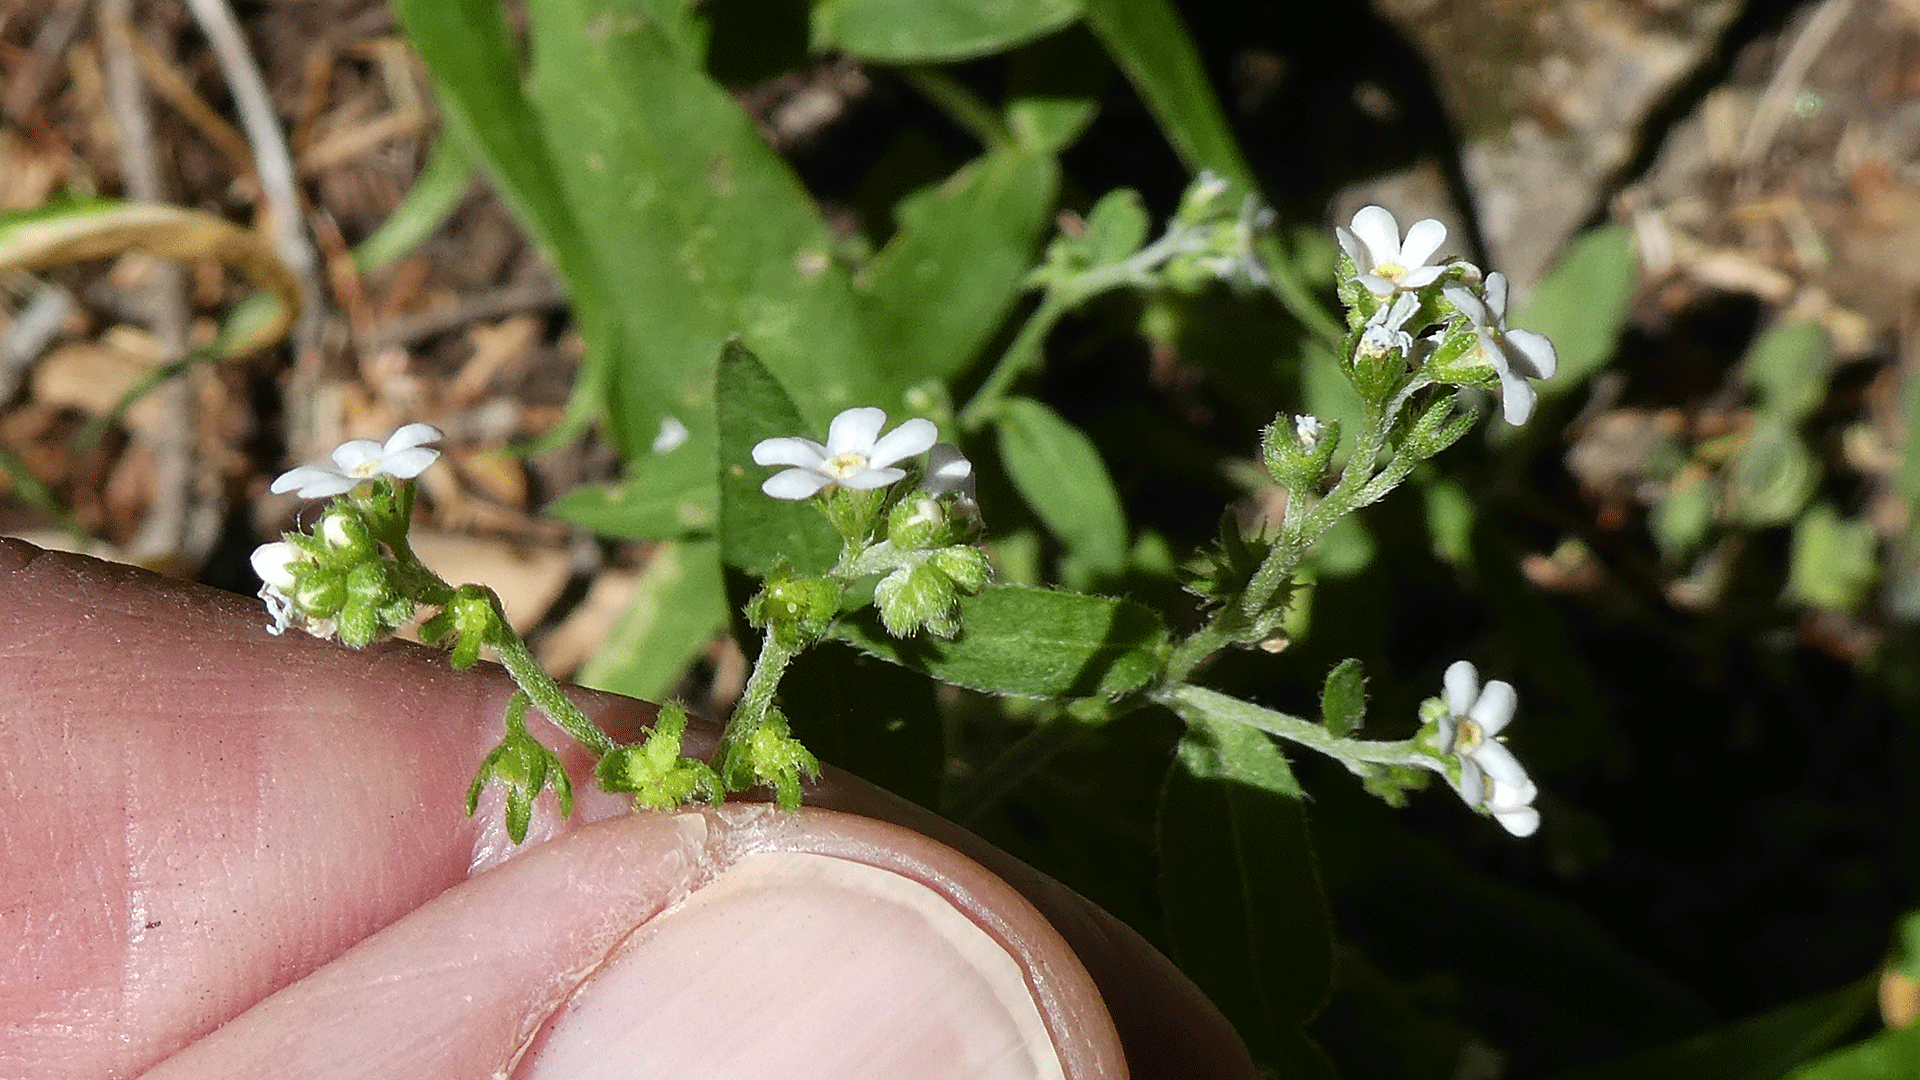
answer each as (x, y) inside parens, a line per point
(432, 199)
(1763, 1046)
(756, 528)
(940, 288)
(1582, 303)
(919, 31)
(1240, 888)
(1060, 475)
(1054, 90)
(1027, 642)
(677, 609)
(1890, 1055)
(1343, 700)
(1151, 44)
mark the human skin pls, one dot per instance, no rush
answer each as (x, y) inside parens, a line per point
(224, 853)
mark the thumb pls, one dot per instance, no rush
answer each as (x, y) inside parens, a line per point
(739, 942)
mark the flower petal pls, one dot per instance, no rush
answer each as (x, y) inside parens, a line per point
(1356, 251)
(411, 436)
(1473, 783)
(1522, 822)
(356, 454)
(789, 450)
(313, 482)
(673, 435)
(853, 431)
(1377, 229)
(409, 463)
(949, 470)
(1377, 285)
(1497, 295)
(915, 436)
(1424, 237)
(1421, 277)
(1536, 350)
(868, 479)
(1511, 785)
(794, 484)
(272, 563)
(1463, 686)
(1517, 398)
(1467, 304)
(1493, 710)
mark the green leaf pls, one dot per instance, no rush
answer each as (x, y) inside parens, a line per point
(1890, 1055)
(1764, 1046)
(920, 31)
(1116, 227)
(1148, 40)
(1061, 476)
(1240, 887)
(1343, 700)
(756, 528)
(678, 607)
(1835, 560)
(1772, 477)
(662, 496)
(876, 720)
(1054, 90)
(1788, 369)
(700, 231)
(1027, 642)
(1582, 303)
(952, 270)
(476, 77)
(427, 205)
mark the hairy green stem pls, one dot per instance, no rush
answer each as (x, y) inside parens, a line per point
(1197, 701)
(544, 692)
(757, 699)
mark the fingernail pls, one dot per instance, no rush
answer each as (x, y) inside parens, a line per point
(799, 965)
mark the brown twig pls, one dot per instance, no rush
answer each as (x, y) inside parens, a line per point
(479, 307)
(168, 531)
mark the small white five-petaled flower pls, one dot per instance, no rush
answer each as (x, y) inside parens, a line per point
(274, 564)
(404, 456)
(1383, 264)
(1518, 355)
(948, 470)
(1490, 775)
(855, 456)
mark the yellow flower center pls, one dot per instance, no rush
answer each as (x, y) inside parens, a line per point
(841, 466)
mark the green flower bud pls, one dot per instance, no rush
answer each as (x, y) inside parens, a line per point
(1298, 451)
(914, 597)
(797, 611)
(654, 771)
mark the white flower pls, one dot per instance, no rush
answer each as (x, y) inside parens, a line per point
(948, 470)
(403, 457)
(1382, 263)
(1490, 775)
(673, 435)
(1308, 430)
(1518, 355)
(856, 454)
(274, 564)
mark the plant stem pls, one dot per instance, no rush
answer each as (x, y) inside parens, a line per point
(1197, 701)
(544, 692)
(757, 698)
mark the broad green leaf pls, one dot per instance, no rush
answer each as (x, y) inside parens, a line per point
(1028, 642)
(1343, 699)
(1835, 560)
(1581, 305)
(1150, 43)
(1890, 1055)
(922, 31)
(756, 528)
(939, 289)
(876, 720)
(1788, 368)
(1060, 475)
(1772, 477)
(1240, 888)
(1116, 227)
(678, 607)
(1054, 90)
(700, 231)
(662, 495)
(1764, 1046)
